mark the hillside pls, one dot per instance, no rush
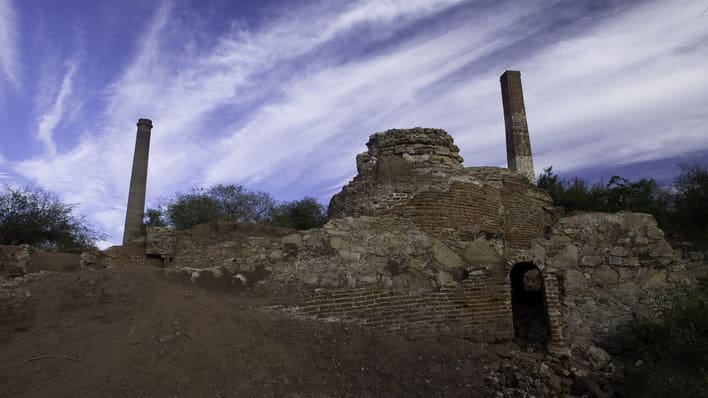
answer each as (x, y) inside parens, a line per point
(131, 332)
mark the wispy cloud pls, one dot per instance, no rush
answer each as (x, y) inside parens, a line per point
(5, 176)
(354, 99)
(8, 42)
(49, 120)
(284, 107)
(631, 89)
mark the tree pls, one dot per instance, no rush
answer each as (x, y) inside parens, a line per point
(305, 213)
(638, 196)
(154, 217)
(689, 204)
(548, 180)
(219, 202)
(191, 209)
(680, 209)
(235, 203)
(238, 204)
(32, 215)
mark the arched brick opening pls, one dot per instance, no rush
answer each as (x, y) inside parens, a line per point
(530, 315)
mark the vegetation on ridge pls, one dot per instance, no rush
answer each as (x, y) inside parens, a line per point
(235, 203)
(672, 342)
(681, 209)
(34, 216)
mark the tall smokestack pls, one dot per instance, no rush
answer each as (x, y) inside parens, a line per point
(518, 144)
(138, 180)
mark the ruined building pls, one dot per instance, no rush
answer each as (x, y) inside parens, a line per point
(421, 245)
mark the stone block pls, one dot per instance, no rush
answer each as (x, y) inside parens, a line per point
(620, 251)
(338, 243)
(627, 273)
(604, 276)
(635, 221)
(591, 261)
(654, 280)
(294, 239)
(575, 280)
(628, 292)
(411, 283)
(566, 257)
(447, 258)
(479, 253)
(350, 255)
(444, 279)
(416, 263)
(631, 262)
(614, 261)
(310, 278)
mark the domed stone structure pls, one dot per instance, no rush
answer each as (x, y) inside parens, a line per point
(418, 174)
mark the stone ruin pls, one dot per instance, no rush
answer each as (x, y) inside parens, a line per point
(421, 245)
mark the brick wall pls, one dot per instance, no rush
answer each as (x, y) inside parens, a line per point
(552, 298)
(516, 212)
(527, 212)
(465, 207)
(478, 308)
(446, 203)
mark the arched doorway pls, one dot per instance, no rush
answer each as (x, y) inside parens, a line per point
(528, 305)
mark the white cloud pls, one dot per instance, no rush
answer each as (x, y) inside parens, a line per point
(8, 42)
(179, 94)
(4, 175)
(54, 114)
(360, 97)
(245, 110)
(630, 89)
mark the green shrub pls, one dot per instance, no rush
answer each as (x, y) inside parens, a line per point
(34, 216)
(235, 203)
(681, 209)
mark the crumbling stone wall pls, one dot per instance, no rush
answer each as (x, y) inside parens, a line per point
(23, 259)
(611, 266)
(386, 273)
(417, 146)
(14, 260)
(222, 242)
(129, 254)
(418, 243)
(161, 242)
(417, 174)
(381, 272)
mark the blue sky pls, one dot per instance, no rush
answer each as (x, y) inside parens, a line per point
(281, 95)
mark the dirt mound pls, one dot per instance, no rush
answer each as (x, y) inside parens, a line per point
(129, 332)
(132, 332)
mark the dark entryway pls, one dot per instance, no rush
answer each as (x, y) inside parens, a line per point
(527, 305)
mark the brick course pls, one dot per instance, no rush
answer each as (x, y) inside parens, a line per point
(478, 308)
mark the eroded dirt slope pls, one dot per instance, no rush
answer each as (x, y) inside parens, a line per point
(130, 332)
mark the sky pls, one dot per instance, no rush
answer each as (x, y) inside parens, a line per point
(280, 96)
